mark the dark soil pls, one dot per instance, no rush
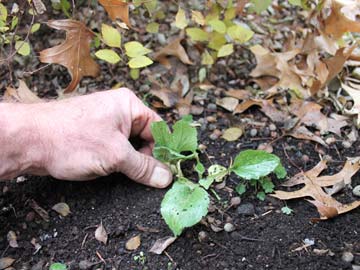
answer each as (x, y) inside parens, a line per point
(265, 240)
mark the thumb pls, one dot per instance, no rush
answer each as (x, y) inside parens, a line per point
(144, 169)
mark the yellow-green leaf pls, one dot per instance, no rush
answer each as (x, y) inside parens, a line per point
(216, 41)
(134, 73)
(226, 50)
(14, 22)
(22, 47)
(152, 27)
(240, 33)
(197, 34)
(35, 27)
(197, 17)
(3, 13)
(218, 26)
(180, 19)
(206, 58)
(230, 13)
(111, 36)
(108, 55)
(134, 49)
(140, 62)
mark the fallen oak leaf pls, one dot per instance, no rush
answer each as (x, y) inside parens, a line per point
(302, 133)
(22, 94)
(117, 9)
(173, 49)
(161, 244)
(326, 205)
(73, 53)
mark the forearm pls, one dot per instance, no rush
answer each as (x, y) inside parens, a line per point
(21, 149)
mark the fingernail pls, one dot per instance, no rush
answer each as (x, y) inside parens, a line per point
(160, 177)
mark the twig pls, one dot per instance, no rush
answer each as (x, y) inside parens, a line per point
(100, 257)
(84, 240)
(290, 160)
(171, 259)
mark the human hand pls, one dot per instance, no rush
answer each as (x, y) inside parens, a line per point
(87, 136)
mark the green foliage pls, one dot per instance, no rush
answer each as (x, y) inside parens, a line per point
(57, 266)
(108, 55)
(186, 203)
(287, 210)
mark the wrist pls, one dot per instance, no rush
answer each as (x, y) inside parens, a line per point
(21, 141)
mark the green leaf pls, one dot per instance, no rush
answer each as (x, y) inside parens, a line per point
(287, 210)
(57, 266)
(254, 164)
(3, 13)
(197, 34)
(261, 195)
(295, 2)
(108, 55)
(22, 48)
(184, 205)
(202, 74)
(199, 168)
(267, 185)
(216, 41)
(152, 27)
(15, 21)
(135, 49)
(240, 33)
(280, 171)
(134, 73)
(259, 5)
(180, 19)
(165, 154)
(218, 26)
(184, 136)
(217, 172)
(230, 14)
(161, 133)
(151, 5)
(240, 189)
(35, 27)
(226, 50)
(206, 58)
(140, 62)
(111, 36)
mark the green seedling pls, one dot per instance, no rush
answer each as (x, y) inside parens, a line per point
(57, 266)
(187, 202)
(287, 210)
(141, 258)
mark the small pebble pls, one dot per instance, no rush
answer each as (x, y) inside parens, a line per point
(30, 216)
(253, 132)
(330, 140)
(235, 201)
(356, 190)
(202, 147)
(211, 119)
(347, 257)
(212, 106)
(203, 236)
(84, 264)
(355, 267)
(212, 127)
(272, 127)
(305, 158)
(246, 209)
(346, 144)
(228, 227)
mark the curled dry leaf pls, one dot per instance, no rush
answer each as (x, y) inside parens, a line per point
(12, 239)
(228, 103)
(6, 262)
(173, 49)
(36, 245)
(326, 205)
(161, 244)
(62, 208)
(355, 95)
(22, 94)
(232, 134)
(101, 234)
(73, 53)
(117, 9)
(39, 210)
(133, 243)
(302, 133)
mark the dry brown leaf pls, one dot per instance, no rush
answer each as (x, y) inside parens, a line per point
(173, 49)
(39, 6)
(6, 262)
(302, 133)
(228, 103)
(12, 239)
(355, 95)
(336, 24)
(101, 234)
(161, 244)
(22, 94)
(313, 185)
(39, 210)
(133, 243)
(73, 53)
(117, 9)
(239, 94)
(62, 208)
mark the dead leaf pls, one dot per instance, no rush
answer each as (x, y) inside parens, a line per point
(302, 133)
(6, 262)
(22, 94)
(232, 134)
(161, 244)
(228, 103)
(355, 95)
(12, 239)
(36, 245)
(133, 243)
(173, 49)
(73, 53)
(39, 6)
(101, 234)
(337, 24)
(62, 208)
(117, 9)
(313, 186)
(239, 94)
